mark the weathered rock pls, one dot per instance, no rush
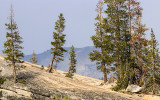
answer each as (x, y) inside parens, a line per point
(37, 84)
(134, 88)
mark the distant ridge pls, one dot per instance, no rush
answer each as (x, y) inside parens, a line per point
(84, 65)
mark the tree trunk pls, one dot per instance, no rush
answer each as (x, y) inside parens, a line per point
(141, 76)
(14, 73)
(12, 47)
(105, 75)
(70, 68)
(102, 52)
(129, 13)
(129, 8)
(132, 77)
(51, 64)
(153, 67)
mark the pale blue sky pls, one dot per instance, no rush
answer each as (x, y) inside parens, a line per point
(36, 20)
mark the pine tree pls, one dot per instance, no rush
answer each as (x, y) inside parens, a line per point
(102, 41)
(117, 25)
(135, 28)
(59, 40)
(33, 59)
(72, 67)
(12, 47)
(117, 19)
(138, 48)
(153, 63)
(134, 9)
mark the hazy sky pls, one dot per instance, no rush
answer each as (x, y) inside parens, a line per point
(36, 20)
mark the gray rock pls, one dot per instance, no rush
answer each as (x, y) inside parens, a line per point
(134, 88)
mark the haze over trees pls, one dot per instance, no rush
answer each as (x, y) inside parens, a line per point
(12, 47)
(33, 59)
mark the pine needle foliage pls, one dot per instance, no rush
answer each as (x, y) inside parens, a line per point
(12, 47)
(153, 63)
(59, 41)
(116, 24)
(73, 61)
(103, 43)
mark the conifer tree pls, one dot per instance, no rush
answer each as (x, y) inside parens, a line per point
(138, 48)
(117, 19)
(135, 28)
(134, 9)
(59, 40)
(12, 47)
(102, 41)
(72, 67)
(153, 64)
(33, 59)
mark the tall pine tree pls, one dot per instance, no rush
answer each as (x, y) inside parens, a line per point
(102, 41)
(138, 48)
(117, 21)
(73, 61)
(153, 65)
(12, 47)
(59, 40)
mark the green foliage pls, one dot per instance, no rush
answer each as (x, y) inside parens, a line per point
(122, 83)
(33, 59)
(42, 67)
(65, 98)
(103, 43)
(149, 85)
(1, 94)
(59, 39)
(117, 25)
(153, 66)
(13, 43)
(59, 97)
(12, 46)
(70, 75)
(2, 80)
(23, 81)
(73, 61)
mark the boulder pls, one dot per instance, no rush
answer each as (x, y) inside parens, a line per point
(134, 88)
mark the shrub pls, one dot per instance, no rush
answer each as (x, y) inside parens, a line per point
(23, 81)
(42, 67)
(70, 75)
